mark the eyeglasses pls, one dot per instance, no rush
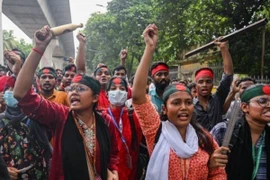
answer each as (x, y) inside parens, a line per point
(263, 102)
(79, 89)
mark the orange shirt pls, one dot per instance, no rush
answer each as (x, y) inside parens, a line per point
(198, 163)
(59, 97)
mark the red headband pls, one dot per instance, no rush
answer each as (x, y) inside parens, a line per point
(204, 72)
(160, 67)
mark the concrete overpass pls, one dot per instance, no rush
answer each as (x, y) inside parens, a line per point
(31, 15)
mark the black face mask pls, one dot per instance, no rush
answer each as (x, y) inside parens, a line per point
(162, 85)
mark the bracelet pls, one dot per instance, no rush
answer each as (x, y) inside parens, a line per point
(37, 51)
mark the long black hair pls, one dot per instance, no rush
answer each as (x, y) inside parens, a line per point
(205, 141)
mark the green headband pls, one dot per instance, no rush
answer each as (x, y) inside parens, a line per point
(254, 91)
(174, 88)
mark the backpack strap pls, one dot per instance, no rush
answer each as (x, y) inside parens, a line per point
(134, 141)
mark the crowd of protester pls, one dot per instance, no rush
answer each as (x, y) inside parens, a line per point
(64, 124)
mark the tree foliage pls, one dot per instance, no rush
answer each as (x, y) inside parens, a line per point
(183, 25)
(9, 39)
(10, 42)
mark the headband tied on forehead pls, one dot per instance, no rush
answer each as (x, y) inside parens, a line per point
(101, 67)
(46, 70)
(253, 91)
(90, 82)
(117, 80)
(172, 89)
(160, 67)
(206, 72)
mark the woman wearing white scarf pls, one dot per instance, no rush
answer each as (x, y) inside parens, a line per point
(183, 148)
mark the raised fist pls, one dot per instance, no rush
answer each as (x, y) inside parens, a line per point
(42, 38)
(123, 54)
(81, 37)
(150, 35)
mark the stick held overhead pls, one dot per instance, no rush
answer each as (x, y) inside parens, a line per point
(257, 24)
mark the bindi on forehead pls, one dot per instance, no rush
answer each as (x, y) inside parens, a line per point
(117, 81)
(46, 71)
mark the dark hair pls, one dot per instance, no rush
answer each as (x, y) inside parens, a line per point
(59, 70)
(204, 138)
(39, 74)
(95, 105)
(69, 67)
(185, 82)
(120, 67)
(110, 83)
(103, 66)
(191, 85)
(157, 64)
(245, 79)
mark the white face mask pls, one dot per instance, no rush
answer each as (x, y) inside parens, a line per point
(117, 97)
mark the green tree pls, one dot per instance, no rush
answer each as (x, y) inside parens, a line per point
(183, 25)
(121, 27)
(10, 42)
(9, 39)
(24, 47)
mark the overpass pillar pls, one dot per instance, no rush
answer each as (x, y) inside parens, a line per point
(58, 62)
(47, 57)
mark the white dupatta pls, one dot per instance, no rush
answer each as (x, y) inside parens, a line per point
(170, 138)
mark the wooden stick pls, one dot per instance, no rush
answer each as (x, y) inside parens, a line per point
(229, 36)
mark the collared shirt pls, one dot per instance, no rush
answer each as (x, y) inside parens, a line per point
(218, 133)
(59, 97)
(213, 115)
(156, 100)
(262, 171)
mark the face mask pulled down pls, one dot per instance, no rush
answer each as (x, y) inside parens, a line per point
(117, 97)
(10, 100)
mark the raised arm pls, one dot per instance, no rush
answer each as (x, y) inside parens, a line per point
(14, 61)
(25, 77)
(150, 35)
(80, 60)
(231, 95)
(123, 57)
(226, 56)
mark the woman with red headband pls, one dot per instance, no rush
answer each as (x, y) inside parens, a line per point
(183, 148)
(128, 127)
